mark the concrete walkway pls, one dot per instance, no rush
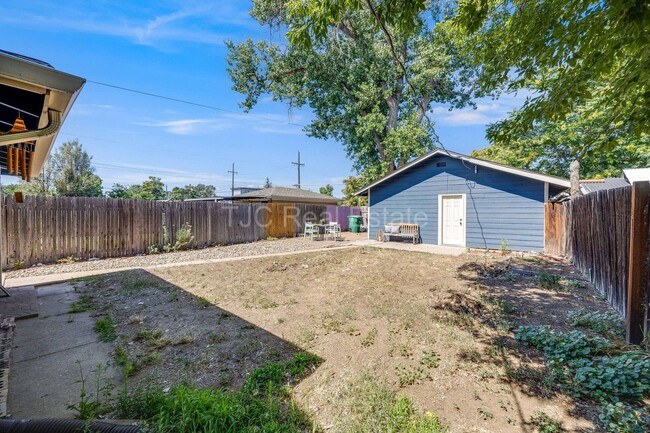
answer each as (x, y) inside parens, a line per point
(44, 376)
(407, 246)
(357, 243)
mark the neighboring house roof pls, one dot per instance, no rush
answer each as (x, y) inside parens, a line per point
(637, 174)
(593, 185)
(278, 193)
(42, 95)
(553, 180)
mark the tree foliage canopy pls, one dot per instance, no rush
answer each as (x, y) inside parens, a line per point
(586, 135)
(327, 190)
(351, 185)
(73, 172)
(151, 189)
(350, 79)
(193, 191)
(558, 48)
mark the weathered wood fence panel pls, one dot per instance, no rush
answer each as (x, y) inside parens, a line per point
(46, 229)
(554, 229)
(599, 241)
(593, 231)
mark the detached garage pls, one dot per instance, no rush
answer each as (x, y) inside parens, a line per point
(463, 201)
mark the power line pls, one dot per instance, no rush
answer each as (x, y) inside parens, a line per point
(196, 104)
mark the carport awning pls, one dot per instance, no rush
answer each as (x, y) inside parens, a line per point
(35, 99)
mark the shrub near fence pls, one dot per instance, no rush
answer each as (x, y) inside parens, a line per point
(46, 229)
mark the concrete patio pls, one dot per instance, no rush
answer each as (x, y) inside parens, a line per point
(44, 375)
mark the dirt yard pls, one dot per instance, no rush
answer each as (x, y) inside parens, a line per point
(438, 329)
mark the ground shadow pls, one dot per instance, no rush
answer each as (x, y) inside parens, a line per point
(519, 293)
(170, 336)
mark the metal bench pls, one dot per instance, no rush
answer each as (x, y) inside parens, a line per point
(406, 230)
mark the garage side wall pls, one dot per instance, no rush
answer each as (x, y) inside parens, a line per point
(498, 205)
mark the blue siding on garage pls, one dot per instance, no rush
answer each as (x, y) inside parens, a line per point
(499, 205)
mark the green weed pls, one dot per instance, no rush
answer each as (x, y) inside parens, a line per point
(372, 406)
(429, 359)
(549, 281)
(84, 303)
(370, 338)
(606, 323)
(408, 375)
(544, 423)
(93, 402)
(105, 329)
(261, 405)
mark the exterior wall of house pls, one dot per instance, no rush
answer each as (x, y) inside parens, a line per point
(498, 205)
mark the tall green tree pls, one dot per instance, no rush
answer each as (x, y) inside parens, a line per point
(360, 92)
(151, 189)
(74, 174)
(327, 190)
(587, 134)
(268, 183)
(558, 48)
(351, 185)
(119, 191)
(193, 191)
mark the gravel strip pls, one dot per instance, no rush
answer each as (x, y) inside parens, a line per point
(141, 261)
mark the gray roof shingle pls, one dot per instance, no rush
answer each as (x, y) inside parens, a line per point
(593, 185)
(279, 193)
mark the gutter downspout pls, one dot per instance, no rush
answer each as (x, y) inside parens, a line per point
(20, 137)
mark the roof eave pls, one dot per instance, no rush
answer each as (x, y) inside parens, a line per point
(558, 181)
(60, 89)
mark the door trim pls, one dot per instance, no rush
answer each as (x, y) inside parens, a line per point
(464, 201)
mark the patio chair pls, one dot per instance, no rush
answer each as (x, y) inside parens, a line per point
(311, 230)
(333, 229)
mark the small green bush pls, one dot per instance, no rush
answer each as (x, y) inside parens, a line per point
(549, 281)
(184, 237)
(545, 424)
(606, 323)
(624, 418)
(586, 365)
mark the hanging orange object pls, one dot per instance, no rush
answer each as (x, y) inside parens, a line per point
(16, 161)
(10, 160)
(23, 163)
(14, 154)
(29, 166)
(19, 125)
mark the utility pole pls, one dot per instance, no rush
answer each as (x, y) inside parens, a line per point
(299, 165)
(232, 187)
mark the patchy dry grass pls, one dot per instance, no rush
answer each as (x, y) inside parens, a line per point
(437, 329)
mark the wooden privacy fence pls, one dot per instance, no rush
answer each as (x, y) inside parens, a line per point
(46, 229)
(605, 235)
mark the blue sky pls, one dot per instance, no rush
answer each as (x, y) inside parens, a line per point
(175, 48)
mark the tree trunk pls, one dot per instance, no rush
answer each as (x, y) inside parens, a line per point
(574, 175)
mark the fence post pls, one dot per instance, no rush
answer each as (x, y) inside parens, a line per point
(637, 288)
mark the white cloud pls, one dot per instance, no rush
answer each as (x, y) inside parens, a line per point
(189, 126)
(192, 21)
(279, 129)
(272, 123)
(486, 111)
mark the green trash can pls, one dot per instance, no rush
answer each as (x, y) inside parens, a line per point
(354, 222)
